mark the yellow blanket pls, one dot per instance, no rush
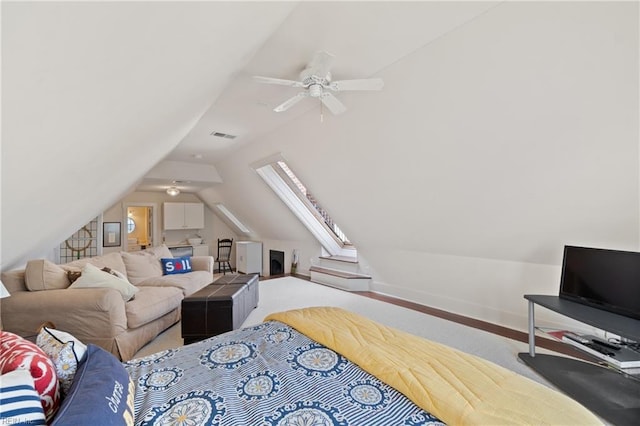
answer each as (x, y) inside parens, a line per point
(457, 387)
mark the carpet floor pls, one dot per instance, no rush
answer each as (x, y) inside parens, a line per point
(286, 293)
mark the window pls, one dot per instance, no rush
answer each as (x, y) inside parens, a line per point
(317, 207)
(131, 225)
(233, 219)
(279, 176)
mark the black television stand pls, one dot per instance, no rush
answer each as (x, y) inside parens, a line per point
(609, 393)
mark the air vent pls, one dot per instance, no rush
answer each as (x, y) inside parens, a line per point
(223, 135)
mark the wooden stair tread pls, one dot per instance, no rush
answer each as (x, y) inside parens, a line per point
(336, 273)
(338, 258)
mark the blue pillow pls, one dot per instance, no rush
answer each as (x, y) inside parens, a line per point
(176, 265)
(101, 389)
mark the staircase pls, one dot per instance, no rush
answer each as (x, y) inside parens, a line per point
(340, 272)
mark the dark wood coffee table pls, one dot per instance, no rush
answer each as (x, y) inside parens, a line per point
(219, 307)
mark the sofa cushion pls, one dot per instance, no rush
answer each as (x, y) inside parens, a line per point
(141, 265)
(189, 283)
(111, 260)
(93, 277)
(159, 251)
(150, 304)
(41, 274)
(14, 280)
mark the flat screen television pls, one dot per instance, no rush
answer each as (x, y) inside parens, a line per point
(605, 279)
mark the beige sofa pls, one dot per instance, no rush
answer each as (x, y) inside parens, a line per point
(41, 293)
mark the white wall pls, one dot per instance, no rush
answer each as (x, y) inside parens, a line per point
(249, 198)
(94, 94)
(308, 250)
(488, 150)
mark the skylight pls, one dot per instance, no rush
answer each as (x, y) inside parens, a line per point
(322, 212)
(232, 218)
(279, 176)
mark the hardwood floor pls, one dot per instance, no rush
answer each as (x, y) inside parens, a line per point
(509, 333)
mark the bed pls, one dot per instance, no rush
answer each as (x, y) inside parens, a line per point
(312, 366)
(318, 366)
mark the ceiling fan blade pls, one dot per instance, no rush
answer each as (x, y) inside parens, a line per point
(291, 102)
(280, 81)
(364, 84)
(331, 102)
(320, 64)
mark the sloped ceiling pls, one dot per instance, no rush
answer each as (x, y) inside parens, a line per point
(504, 131)
(491, 147)
(95, 94)
(363, 37)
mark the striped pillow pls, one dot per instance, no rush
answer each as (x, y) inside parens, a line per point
(19, 401)
(17, 353)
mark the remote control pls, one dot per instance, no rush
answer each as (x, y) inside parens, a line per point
(577, 338)
(606, 343)
(602, 349)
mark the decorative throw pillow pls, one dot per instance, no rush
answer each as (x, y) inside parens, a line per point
(112, 260)
(101, 391)
(176, 265)
(41, 274)
(17, 353)
(65, 351)
(93, 277)
(73, 275)
(160, 251)
(20, 401)
(141, 266)
(114, 272)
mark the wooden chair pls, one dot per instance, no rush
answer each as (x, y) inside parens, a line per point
(224, 255)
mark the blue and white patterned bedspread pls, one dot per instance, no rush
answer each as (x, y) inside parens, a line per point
(264, 375)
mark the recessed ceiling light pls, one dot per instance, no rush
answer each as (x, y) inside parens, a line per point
(173, 191)
(198, 156)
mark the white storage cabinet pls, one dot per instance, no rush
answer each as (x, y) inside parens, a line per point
(183, 216)
(249, 257)
(201, 250)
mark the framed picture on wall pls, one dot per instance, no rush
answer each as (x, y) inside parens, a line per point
(111, 232)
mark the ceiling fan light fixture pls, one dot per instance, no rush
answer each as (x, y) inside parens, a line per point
(173, 191)
(315, 90)
(317, 81)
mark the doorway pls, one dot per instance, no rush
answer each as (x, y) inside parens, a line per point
(139, 226)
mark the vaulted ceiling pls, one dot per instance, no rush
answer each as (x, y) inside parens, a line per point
(97, 94)
(364, 40)
(504, 130)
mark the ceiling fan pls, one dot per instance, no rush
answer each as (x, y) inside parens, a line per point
(316, 79)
